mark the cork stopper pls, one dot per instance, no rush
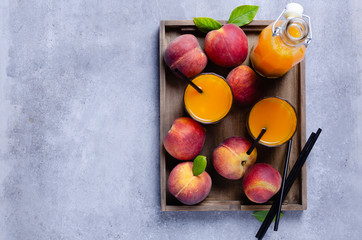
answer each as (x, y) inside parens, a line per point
(293, 10)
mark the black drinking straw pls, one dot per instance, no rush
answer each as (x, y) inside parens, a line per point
(268, 219)
(289, 182)
(256, 141)
(283, 184)
(187, 79)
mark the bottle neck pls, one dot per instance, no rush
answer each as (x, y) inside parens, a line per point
(294, 32)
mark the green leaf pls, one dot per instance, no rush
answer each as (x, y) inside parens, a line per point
(261, 215)
(243, 15)
(205, 24)
(199, 165)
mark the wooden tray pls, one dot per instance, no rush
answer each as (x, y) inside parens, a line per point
(227, 195)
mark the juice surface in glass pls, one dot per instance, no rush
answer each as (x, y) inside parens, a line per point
(277, 116)
(271, 57)
(213, 103)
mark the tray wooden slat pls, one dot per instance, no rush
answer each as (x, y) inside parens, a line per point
(227, 195)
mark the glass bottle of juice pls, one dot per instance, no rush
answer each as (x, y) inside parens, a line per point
(282, 44)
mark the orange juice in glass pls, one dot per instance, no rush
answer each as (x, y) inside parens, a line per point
(215, 101)
(277, 116)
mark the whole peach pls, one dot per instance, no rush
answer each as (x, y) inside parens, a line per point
(227, 46)
(230, 159)
(261, 182)
(186, 187)
(185, 139)
(185, 54)
(245, 84)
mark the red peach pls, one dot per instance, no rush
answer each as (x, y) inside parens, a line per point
(245, 84)
(261, 182)
(227, 46)
(185, 139)
(185, 54)
(230, 159)
(186, 187)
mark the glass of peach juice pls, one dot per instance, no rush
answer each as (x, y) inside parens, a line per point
(277, 116)
(215, 101)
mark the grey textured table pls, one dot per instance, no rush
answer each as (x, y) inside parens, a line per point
(79, 115)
